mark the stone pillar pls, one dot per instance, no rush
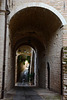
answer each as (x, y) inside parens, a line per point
(7, 56)
(2, 31)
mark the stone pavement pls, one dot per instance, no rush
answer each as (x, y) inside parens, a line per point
(27, 93)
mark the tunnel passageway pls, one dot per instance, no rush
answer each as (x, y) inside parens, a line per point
(25, 66)
(40, 29)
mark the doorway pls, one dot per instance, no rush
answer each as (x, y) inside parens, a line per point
(25, 67)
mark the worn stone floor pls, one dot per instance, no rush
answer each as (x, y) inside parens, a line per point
(30, 93)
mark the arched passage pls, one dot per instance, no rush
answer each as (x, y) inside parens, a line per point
(38, 48)
(40, 28)
(38, 4)
(25, 66)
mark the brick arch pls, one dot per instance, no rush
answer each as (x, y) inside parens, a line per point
(38, 4)
(35, 44)
(55, 12)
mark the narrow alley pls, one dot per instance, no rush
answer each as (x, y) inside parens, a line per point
(33, 49)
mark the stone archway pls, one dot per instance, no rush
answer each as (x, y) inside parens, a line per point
(46, 29)
(38, 4)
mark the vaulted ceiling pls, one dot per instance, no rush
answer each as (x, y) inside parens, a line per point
(35, 23)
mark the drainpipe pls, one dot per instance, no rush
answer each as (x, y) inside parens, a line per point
(4, 53)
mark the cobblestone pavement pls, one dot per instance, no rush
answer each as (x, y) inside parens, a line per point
(27, 93)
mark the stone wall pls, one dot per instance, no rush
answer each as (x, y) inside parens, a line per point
(53, 56)
(41, 69)
(2, 27)
(59, 5)
(10, 70)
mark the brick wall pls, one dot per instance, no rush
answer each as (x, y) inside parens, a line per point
(64, 67)
(41, 69)
(53, 56)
